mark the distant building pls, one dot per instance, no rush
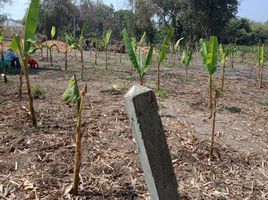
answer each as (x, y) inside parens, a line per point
(12, 27)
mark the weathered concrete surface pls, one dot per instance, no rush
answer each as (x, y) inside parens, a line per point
(153, 150)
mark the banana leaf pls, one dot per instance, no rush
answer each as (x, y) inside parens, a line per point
(31, 24)
(165, 45)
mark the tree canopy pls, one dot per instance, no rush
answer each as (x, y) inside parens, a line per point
(191, 19)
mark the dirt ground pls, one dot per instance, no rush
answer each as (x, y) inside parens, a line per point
(37, 163)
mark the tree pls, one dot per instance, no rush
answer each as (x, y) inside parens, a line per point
(202, 18)
(58, 13)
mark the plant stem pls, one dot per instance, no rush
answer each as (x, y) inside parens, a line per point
(260, 76)
(106, 58)
(4, 66)
(141, 80)
(77, 164)
(20, 84)
(213, 127)
(210, 95)
(158, 77)
(66, 56)
(96, 56)
(82, 63)
(222, 76)
(47, 52)
(50, 52)
(30, 98)
(186, 74)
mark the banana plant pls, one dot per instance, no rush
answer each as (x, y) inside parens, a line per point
(175, 49)
(163, 54)
(50, 47)
(106, 41)
(28, 48)
(97, 43)
(261, 61)
(186, 59)
(69, 41)
(72, 95)
(137, 60)
(80, 47)
(209, 52)
(224, 54)
(233, 51)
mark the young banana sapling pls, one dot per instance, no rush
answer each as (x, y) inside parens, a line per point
(163, 54)
(72, 95)
(261, 61)
(224, 54)
(186, 59)
(28, 48)
(106, 41)
(137, 60)
(209, 52)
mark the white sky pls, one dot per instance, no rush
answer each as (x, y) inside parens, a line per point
(251, 9)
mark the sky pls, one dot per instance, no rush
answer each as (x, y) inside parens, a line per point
(252, 9)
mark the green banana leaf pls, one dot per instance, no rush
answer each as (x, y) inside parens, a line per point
(15, 45)
(130, 51)
(187, 57)
(224, 53)
(71, 94)
(165, 45)
(203, 50)
(134, 43)
(107, 38)
(53, 32)
(31, 24)
(143, 38)
(212, 58)
(177, 44)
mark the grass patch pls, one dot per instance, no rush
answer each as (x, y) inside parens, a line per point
(2, 102)
(129, 78)
(263, 102)
(161, 93)
(37, 90)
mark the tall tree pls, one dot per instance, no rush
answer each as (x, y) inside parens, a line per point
(202, 18)
(58, 13)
